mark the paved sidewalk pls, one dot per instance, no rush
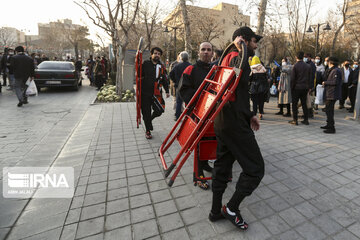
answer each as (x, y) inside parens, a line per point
(311, 189)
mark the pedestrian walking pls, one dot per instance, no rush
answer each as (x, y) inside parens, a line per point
(346, 76)
(23, 67)
(154, 77)
(353, 86)
(332, 93)
(99, 72)
(236, 141)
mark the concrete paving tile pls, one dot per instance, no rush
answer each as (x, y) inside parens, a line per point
(116, 167)
(94, 198)
(307, 210)
(355, 229)
(292, 198)
(142, 214)
(138, 189)
(160, 196)
(193, 215)
(310, 231)
(98, 178)
(165, 208)
(185, 202)
(117, 193)
(179, 234)
(201, 230)
(275, 224)
(117, 175)
(257, 231)
(292, 217)
(96, 187)
(73, 216)
(180, 191)
(345, 235)
(118, 183)
(98, 170)
(4, 232)
(157, 185)
(99, 236)
(291, 234)
(117, 220)
(145, 229)
(151, 177)
(51, 234)
(170, 222)
(117, 206)
(342, 217)
(69, 232)
(132, 165)
(90, 227)
(136, 180)
(264, 192)
(260, 210)
(124, 232)
(326, 224)
(92, 211)
(140, 200)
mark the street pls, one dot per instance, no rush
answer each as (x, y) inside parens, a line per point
(311, 188)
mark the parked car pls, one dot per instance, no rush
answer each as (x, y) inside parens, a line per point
(57, 74)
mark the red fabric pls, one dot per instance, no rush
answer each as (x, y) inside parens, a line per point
(227, 59)
(188, 70)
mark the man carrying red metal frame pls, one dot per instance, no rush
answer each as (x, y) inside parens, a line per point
(234, 127)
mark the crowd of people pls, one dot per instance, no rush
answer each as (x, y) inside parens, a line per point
(236, 121)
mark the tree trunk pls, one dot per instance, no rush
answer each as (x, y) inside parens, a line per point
(76, 48)
(261, 23)
(119, 71)
(186, 27)
(334, 40)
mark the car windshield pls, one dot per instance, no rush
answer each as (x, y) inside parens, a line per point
(56, 65)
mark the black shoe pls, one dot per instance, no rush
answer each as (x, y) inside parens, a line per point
(293, 122)
(19, 104)
(279, 113)
(325, 127)
(215, 217)
(207, 168)
(305, 122)
(287, 115)
(330, 130)
(237, 219)
(25, 102)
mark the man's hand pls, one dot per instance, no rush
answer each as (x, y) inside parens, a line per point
(323, 83)
(254, 123)
(167, 95)
(238, 41)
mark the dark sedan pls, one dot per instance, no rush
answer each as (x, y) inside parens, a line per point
(57, 74)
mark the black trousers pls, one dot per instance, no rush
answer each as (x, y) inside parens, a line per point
(246, 152)
(296, 95)
(99, 81)
(330, 105)
(258, 100)
(147, 103)
(352, 96)
(287, 107)
(4, 78)
(344, 93)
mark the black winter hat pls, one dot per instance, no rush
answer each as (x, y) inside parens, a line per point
(247, 33)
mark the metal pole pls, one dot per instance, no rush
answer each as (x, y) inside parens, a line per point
(357, 101)
(317, 40)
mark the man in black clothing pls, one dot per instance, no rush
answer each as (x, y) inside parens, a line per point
(153, 76)
(235, 138)
(312, 86)
(175, 76)
(191, 80)
(23, 67)
(300, 86)
(4, 66)
(347, 76)
(353, 86)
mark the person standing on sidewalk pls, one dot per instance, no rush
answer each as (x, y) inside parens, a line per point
(191, 79)
(347, 76)
(284, 88)
(175, 76)
(312, 84)
(236, 141)
(4, 66)
(300, 87)
(353, 86)
(23, 67)
(332, 93)
(153, 78)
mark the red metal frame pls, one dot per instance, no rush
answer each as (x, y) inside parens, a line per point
(198, 116)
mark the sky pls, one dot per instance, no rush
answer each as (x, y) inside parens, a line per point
(44, 11)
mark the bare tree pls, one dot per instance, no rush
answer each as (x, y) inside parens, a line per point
(186, 26)
(343, 12)
(75, 35)
(116, 18)
(7, 37)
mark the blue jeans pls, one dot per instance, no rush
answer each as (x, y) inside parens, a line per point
(179, 103)
(11, 80)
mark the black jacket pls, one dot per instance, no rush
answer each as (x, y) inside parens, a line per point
(351, 76)
(149, 78)
(312, 74)
(355, 78)
(177, 71)
(301, 76)
(192, 78)
(23, 66)
(333, 84)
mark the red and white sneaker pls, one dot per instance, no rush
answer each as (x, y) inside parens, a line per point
(235, 218)
(148, 135)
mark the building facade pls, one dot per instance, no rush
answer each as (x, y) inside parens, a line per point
(215, 25)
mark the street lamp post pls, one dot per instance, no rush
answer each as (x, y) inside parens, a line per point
(326, 28)
(167, 30)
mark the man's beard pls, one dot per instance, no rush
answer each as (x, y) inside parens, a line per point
(251, 52)
(156, 59)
